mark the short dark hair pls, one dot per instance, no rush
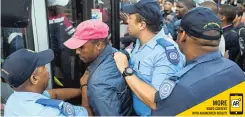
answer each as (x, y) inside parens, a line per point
(229, 12)
(153, 27)
(212, 5)
(205, 42)
(239, 11)
(188, 3)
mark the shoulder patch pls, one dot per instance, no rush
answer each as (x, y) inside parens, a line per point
(68, 109)
(166, 88)
(65, 108)
(173, 56)
(171, 51)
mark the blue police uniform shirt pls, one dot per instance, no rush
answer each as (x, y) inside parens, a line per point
(152, 66)
(200, 83)
(24, 104)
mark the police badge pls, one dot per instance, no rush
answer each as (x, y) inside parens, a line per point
(166, 88)
(68, 109)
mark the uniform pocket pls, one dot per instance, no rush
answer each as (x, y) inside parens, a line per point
(145, 67)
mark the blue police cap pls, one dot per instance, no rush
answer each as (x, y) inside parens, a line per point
(20, 65)
(149, 9)
(199, 21)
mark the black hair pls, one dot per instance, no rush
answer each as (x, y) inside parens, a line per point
(229, 12)
(239, 11)
(190, 4)
(212, 5)
(55, 10)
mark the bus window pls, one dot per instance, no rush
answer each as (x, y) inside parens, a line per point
(61, 29)
(102, 11)
(13, 39)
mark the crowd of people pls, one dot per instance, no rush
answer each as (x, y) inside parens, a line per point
(181, 51)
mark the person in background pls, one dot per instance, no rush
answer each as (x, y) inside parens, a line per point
(12, 39)
(169, 17)
(227, 14)
(30, 85)
(60, 30)
(240, 29)
(127, 44)
(214, 7)
(237, 21)
(169, 21)
(168, 5)
(182, 7)
(174, 6)
(161, 3)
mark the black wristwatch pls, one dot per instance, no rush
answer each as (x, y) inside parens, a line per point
(127, 72)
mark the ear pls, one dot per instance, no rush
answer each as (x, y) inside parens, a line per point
(222, 18)
(34, 79)
(142, 26)
(99, 45)
(183, 37)
(239, 18)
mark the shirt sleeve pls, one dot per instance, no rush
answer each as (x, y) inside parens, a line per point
(80, 111)
(162, 69)
(52, 111)
(46, 94)
(179, 100)
(68, 27)
(105, 100)
(232, 44)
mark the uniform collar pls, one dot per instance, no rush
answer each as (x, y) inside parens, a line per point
(211, 56)
(29, 95)
(151, 43)
(108, 50)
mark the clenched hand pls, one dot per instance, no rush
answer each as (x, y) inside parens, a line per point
(121, 61)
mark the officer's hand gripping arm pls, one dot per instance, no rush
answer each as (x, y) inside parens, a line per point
(145, 92)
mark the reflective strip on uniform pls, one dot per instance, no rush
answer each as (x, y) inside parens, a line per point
(58, 20)
(71, 31)
(13, 35)
(68, 28)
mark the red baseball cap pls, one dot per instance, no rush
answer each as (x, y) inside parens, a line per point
(87, 30)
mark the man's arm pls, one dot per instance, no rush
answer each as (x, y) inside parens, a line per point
(83, 82)
(85, 101)
(144, 91)
(64, 93)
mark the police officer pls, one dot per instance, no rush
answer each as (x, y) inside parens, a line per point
(153, 59)
(25, 72)
(198, 38)
(227, 14)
